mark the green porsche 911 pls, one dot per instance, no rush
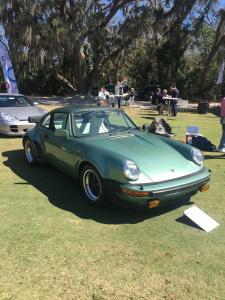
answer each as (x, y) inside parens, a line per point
(113, 159)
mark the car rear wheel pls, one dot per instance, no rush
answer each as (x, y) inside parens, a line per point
(92, 186)
(30, 153)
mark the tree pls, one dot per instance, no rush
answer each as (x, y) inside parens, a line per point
(72, 39)
(79, 42)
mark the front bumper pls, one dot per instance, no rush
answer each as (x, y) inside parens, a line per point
(166, 192)
(18, 128)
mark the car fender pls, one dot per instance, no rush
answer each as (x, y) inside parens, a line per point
(34, 137)
(109, 165)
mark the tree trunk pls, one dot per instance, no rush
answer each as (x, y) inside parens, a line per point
(62, 79)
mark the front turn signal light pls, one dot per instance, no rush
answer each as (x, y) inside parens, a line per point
(204, 188)
(135, 193)
(153, 203)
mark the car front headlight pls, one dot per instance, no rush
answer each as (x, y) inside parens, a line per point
(8, 117)
(131, 170)
(197, 156)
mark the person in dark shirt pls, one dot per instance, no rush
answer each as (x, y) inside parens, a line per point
(157, 97)
(174, 93)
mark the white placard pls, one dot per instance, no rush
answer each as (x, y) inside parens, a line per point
(200, 218)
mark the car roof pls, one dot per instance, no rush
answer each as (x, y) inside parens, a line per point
(77, 108)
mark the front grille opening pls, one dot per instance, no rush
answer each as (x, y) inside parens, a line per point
(13, 128)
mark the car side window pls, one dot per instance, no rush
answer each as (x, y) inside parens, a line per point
(59, 121)
(46, 122)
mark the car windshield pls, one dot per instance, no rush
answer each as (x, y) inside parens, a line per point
(14, 101)
(100, 122)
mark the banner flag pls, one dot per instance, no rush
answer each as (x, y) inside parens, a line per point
(220, 75)
(7, 69)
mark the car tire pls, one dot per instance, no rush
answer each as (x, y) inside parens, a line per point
(92, 186)
(30, 152)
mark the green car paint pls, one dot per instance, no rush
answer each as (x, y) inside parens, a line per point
(107, 139)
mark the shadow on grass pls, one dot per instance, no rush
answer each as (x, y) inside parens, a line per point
(151, 115)
(184, 220)
(215, 156)
(4, 136)
(64, 193)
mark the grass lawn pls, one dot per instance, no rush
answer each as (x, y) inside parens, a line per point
(55, 246)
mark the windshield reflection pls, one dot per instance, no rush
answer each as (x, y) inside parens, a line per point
(14, 101)
(100, 122)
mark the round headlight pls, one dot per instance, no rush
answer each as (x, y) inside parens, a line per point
(8, 117)
(197, 156)
(131, 170)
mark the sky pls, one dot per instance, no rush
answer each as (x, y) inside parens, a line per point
(221, 3)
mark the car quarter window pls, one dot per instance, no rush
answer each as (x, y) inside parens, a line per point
(56, 121)
(59, 120)
(46, 121)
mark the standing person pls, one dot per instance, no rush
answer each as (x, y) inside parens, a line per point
(101, 96)
(157, 99)
(221, 147)
(174, 93)
(106, 96)
(131, 95)
(119, 90)
(165, 102)
(165, 93)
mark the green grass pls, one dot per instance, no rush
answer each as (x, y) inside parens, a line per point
(54, 246)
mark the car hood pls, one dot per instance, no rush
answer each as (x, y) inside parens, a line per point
(155, 158)
(22, 113)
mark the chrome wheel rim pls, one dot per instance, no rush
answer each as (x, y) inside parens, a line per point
(92, 185)
(29, 152)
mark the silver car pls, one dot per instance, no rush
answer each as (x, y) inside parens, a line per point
(14, 112)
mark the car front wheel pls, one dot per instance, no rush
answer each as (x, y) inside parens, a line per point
(92, 186)
(30, 152)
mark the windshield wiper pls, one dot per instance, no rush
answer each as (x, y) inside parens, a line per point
(120, 130)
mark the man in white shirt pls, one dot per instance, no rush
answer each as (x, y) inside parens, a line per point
(119, 90)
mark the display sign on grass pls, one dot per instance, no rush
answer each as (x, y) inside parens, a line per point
(199, 217)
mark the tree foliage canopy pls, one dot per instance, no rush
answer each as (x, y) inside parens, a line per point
(73, 44)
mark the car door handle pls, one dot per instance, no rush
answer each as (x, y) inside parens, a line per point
(46, 136)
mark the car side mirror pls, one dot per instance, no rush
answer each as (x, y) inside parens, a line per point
(62, 133)
(145, 127)
(34, 119)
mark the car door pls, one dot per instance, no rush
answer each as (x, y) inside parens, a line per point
(63, 151)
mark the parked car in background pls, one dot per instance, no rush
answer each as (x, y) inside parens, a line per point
(114, 160)
(14, 112)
